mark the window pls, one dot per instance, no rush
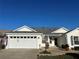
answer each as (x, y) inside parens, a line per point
(24, 36)
(35, 37)
(14, 36)
(11, 37)
(31, 36)
(21, 36)
(76, 40)
(28, 37)
(17, 36)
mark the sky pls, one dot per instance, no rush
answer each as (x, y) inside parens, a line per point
(39, 13)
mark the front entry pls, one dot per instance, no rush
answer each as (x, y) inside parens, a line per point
(56, 42)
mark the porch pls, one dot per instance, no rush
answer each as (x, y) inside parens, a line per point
(52, 39)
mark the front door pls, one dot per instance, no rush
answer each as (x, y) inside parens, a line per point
(56, 40)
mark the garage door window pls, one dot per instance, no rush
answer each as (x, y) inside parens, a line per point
(11, 37)
(14, 36)
(17, 36)
(28, 37)
(23, 37)
(31, 37)
(35, 37)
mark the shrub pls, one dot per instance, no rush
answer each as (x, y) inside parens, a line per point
(66, 47)
(3, 46)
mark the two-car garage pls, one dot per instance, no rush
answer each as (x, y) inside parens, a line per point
(21, 40)
(23, 37)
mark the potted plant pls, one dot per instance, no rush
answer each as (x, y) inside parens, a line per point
(65, 47)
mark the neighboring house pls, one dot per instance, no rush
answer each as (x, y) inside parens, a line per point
(26, 37)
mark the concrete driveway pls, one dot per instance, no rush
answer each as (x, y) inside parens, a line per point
(18, 54)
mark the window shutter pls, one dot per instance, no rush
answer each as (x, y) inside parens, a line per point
(71, 40)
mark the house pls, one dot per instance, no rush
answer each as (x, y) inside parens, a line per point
(28, 37)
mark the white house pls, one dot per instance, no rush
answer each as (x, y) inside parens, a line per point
(26, 37)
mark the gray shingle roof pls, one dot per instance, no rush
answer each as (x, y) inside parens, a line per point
(45, 29)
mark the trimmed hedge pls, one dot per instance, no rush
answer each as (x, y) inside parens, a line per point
(55, 57)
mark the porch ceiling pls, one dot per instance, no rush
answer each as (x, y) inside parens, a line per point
(55, 34)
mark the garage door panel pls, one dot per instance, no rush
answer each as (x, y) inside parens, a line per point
(22, 43)
(27, 43)
(12, 43)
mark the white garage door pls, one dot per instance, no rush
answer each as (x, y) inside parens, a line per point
(22, 42)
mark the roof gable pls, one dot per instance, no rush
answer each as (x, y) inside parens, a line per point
(61, 30)
(25, 28)
(74, 32)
